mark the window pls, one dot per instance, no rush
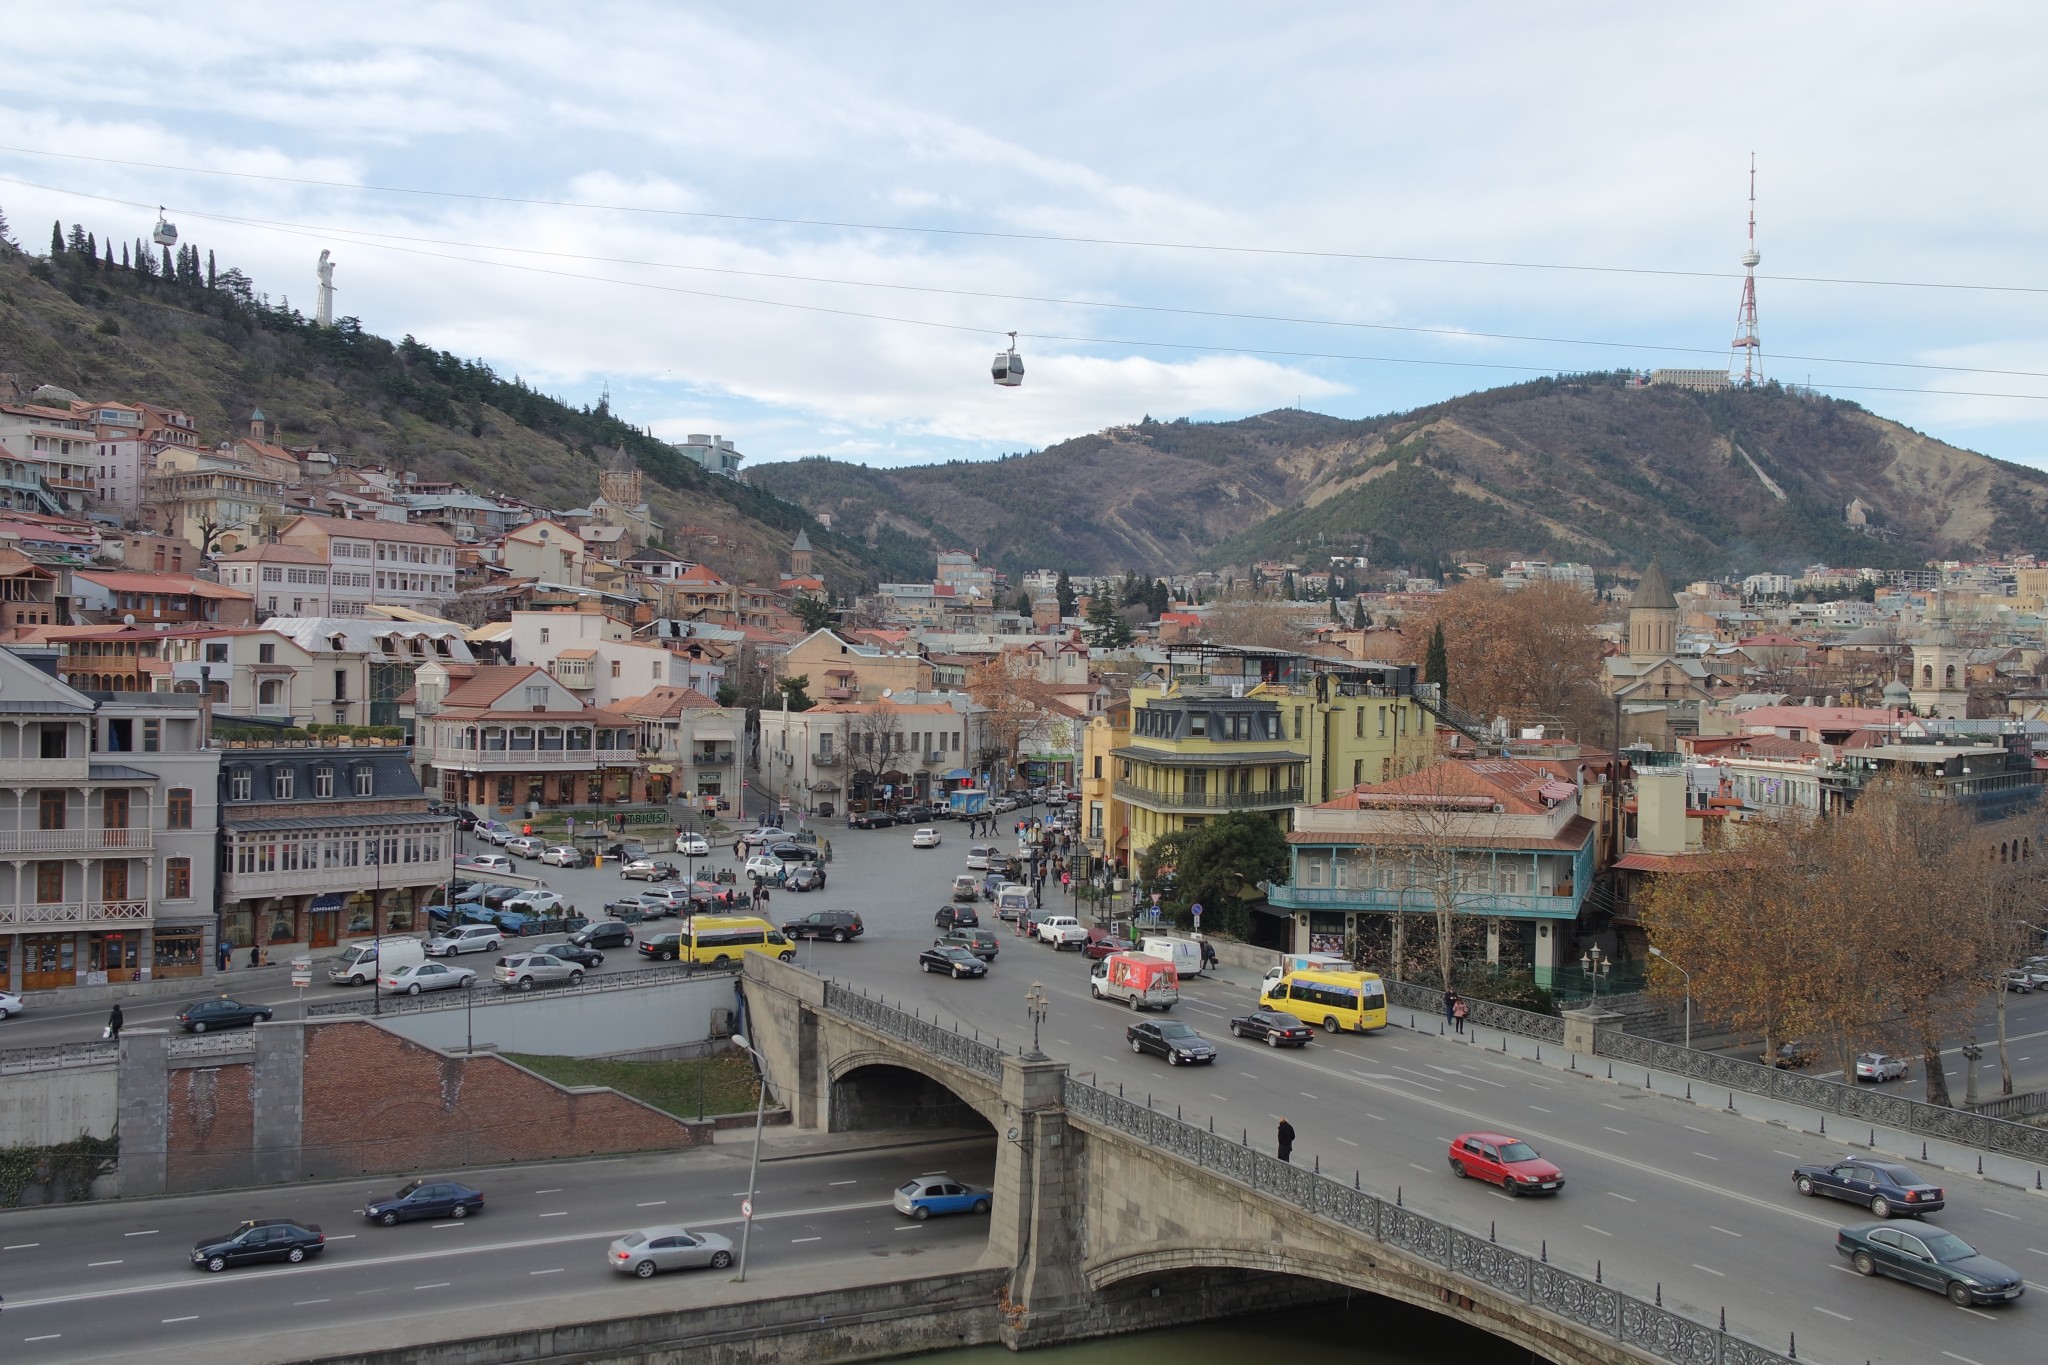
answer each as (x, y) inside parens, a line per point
(152, 736)
(216, 651)
(617, 667)
(177, 879)
(270, 692)
(241, 784)
(120, 736)
(281, 784)
(323, 780)
(537, 697)
(341, 684)
(1357, 772)
(1198, 725)
(365, 780)
(267, 653)
(1098, 767)
(55, 740)
(178, 808)
(114, 881)
(50, 807)
(49, 883)
(544, 634)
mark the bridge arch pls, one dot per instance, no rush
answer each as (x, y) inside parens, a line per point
(870, 1088)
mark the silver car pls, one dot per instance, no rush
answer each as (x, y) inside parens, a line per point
(523, 971)
(466, 938)
(668, 1248)
(425, 976)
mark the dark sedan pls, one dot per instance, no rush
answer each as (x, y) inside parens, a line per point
(569, 950)
(1273, 1028)
(805, 877)
(1932, 1259)
(869, 820)
(1178, 1043)
(425, 1199)
(261, 1239)
(611, 933)
(954, 961)
(201, 1015)
(1884, 1187)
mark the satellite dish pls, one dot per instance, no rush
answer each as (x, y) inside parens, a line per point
(129, 619)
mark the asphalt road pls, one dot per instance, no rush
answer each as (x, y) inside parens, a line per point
(108, 1280)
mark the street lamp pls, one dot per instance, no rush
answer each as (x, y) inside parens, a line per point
(1596, 965)
(739, 1040)
(1035, 1003)
(1658, 953)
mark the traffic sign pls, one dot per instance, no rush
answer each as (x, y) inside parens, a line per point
(302, 972)
(1196, 911)
(746, 1208)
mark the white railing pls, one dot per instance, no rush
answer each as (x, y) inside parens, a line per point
(29, 771)
(76, 912)
(522, 760)
(140, 840)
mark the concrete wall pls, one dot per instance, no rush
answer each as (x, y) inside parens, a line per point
(41, 1108)
(592, 1024)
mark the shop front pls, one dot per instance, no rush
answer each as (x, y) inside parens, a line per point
(180, 951)
(48, 961)
(114, 955)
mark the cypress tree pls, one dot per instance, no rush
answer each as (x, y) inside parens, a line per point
(76, 241)
(209, 268)
(1436, 666)
(110, 253)
(167, 272)
(126, 264)
(56, 239)
(92, 249)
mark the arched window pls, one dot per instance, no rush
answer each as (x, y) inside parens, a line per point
(1948, 676)
(270, 692)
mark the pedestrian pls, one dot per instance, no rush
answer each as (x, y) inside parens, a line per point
(1286, 1142)
(113, 1033)
(223, 950)
(764, 898)
(1459, 1012)
(1450, 1006)
(255, 954)
(1208, 955)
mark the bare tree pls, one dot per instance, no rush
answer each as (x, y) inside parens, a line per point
(1012, 702)
(1255, 620)
(873, 734)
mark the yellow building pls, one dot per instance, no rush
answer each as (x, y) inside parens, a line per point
(1354, 726)
(1196, 752)
(1104, 827)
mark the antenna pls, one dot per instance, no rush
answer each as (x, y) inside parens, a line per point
(1748, 348)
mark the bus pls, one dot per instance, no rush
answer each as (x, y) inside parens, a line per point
(719, 940)
(1341, 1001)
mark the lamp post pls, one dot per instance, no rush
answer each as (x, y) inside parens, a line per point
(1035, 1002)
(1658, 953)
(739, 1040)
(1596, 965)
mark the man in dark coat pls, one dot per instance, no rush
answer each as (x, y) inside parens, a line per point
(1286, 1140)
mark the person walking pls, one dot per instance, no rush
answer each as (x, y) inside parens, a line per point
(1286, 1141)
(114, 1024)
(1450, 1006)
(1459, 1011)
(255, 955)
(223, 951)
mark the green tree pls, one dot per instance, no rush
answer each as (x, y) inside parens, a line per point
(1158, 600)
(796, 692)
(1107, 628)
(1287, 586)
(1436, 665)
(57, 239)
(7, 237)
(1222, 866)
(1064, 591)
(1336, 612)
(814, 614)
(1023, 603)
(728, 695)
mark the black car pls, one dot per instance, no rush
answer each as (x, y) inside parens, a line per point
(611, 933)
(837, 925)
(425, 1199)
(201, 1015)
(465, 819)
(661, 947)
(1273, 1028)
(260, 1239)
(981, 942)
(1932, 1259)
(954, 961)
(582, 954)
(1884, 1187)
(870, 819)
(1176, 1042)
(956, 917)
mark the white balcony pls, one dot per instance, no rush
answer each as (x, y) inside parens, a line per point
(29, 772)
(76, 912)
(77, 841)
(530, 760)
(345, 880)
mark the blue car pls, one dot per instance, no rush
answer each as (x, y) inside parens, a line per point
(1886, 1188)
(930, 1194)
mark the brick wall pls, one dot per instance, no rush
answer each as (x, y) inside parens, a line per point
(207, 1133)
(376, 1102)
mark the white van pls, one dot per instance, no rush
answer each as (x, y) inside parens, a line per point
(360, 963)
(1184, 953)
(1013, 902)
(1306, 962)
(978, 856)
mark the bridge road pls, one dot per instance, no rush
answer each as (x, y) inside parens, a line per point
(1661, 1192)
(114, 1280)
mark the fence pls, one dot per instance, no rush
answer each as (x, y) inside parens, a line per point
(477, 995)
(59, 1056)
(985, 1059)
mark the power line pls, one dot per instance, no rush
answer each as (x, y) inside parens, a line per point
(990, 234)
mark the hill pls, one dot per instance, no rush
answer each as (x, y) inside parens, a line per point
(1587, 468)
(207, 343)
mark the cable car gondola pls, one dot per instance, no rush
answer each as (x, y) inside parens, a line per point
(166, 233)
(1008, 369)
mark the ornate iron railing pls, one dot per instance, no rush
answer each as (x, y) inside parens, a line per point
(1649, 1327)
(487, 993)
(926, 1035)
(56, 1056)
(1544, 1028)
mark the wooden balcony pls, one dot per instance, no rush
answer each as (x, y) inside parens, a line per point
(76, 912)
(117, 841)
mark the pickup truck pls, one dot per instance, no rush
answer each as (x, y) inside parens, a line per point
(1061, 931)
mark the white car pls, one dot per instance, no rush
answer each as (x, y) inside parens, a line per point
(693, 846)
(426, 976)
(767, 834)
(542, 902)
(925, 838)
(562, 855)
(484, 862)
(466, 938)
(1877, 1068)
(1061, 931)
(766, 866)
(525, 845)
(9, 1004)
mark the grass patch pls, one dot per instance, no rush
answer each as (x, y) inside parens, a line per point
(688, 1089)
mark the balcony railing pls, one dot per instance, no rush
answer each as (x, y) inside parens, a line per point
(524, 760)
(1420, 900)
(707, 758)
(76, 912)
(236, 885)
(30, 771)
(140, 840)
(824, 760)
(1136, 795)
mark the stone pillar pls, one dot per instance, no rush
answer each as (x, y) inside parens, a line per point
(1579, 1026)
(1036, 1226)
(808, 1105)
(1493, 942)
(277, 1100)
(1543, 961)
(142, 1090)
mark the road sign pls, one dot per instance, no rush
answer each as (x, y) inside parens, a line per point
(746, 1208)
(1196, 911)
(746, 782)
(302, 972)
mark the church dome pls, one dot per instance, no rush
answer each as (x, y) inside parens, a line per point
(1653, 593)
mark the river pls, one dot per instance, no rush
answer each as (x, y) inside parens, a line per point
(1371, 1331)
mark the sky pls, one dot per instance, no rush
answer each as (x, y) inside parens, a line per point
(808, 227)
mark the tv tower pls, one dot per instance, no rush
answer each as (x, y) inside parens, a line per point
(1748, 347)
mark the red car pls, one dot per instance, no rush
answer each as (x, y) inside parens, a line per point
(1101, 943)
(1505, 1161)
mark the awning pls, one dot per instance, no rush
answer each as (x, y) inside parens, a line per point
(1555, 790)
(956, 775)
(330, 901)
(825, 786)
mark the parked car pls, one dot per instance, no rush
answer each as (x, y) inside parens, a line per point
(980, 855)
(869, 819)
(9, 1005)
(568, 950)
(540, 903)
(927, 837)
(1061, 931)
(693, 846)
(837, 925)
(956, 962)
(1790, 1056)
(1176, 1042)
(1101, 943)
(425, 976)
(650, 870)
(260, 1239)
(425, 1199)
(466, 938)
(764, 836)
(1273, 1028)
(1932, 1259)
(493, 831)
(765, 866)
(564, 855)
(220, 1012)
(610, 933)
(668, 1248)
(523, 971)
(1883, 1187)
(930, 1194)
(956, 917)
(981, 942)
(1878, 1067)
(665, 900)
(485, 863)
(805, 877)
(1508, 1162)
(2024, 980)
(464, 819)
(526, 845)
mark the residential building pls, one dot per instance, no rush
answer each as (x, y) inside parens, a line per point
(28, 592)
(470, 519)
(377, 562)
(22, 488)
(509, 738)
(370, 662)
(915, 747)
(1197, 752)
(965, 575)
(286, 580)
(325, 842)
(121, 455)
(156, 598)
(1105, 826)
(546, 550)
(1353, 724)
(212, 502)
(109, 835)
(692, 747)
(842, 668)
(595, 656)
(56, 444)
(145, 552)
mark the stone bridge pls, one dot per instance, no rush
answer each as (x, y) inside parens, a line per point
(1112, 1217)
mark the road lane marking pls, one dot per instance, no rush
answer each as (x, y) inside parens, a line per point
(1690, 1129)
(1605, 1105)
(21, 1246)
(1706, 1157)
(1214, 1096)
(1305, 1095)
(2000, 1213)
(342, 1237)
(556, 1271)
(794, 1240)
(1723, 1230)
(51, 1336)
(1965, 1359)
(150, 1233)
(1590, 1228)
(1628, 1197)
(192, 1318)
(94, 1265)
(1782, 1152)
(1622, 1131)
(438, 1284)
(657, 1203)
(1717, 1274)
(308, 1303)
(553, 1191)
(836, 1182)
(907, 1227)
(1424, 1169)
(1539, 1108)
(1347, 1142)
(562, 1214)
(1843, 1316)
(1979, 1313)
